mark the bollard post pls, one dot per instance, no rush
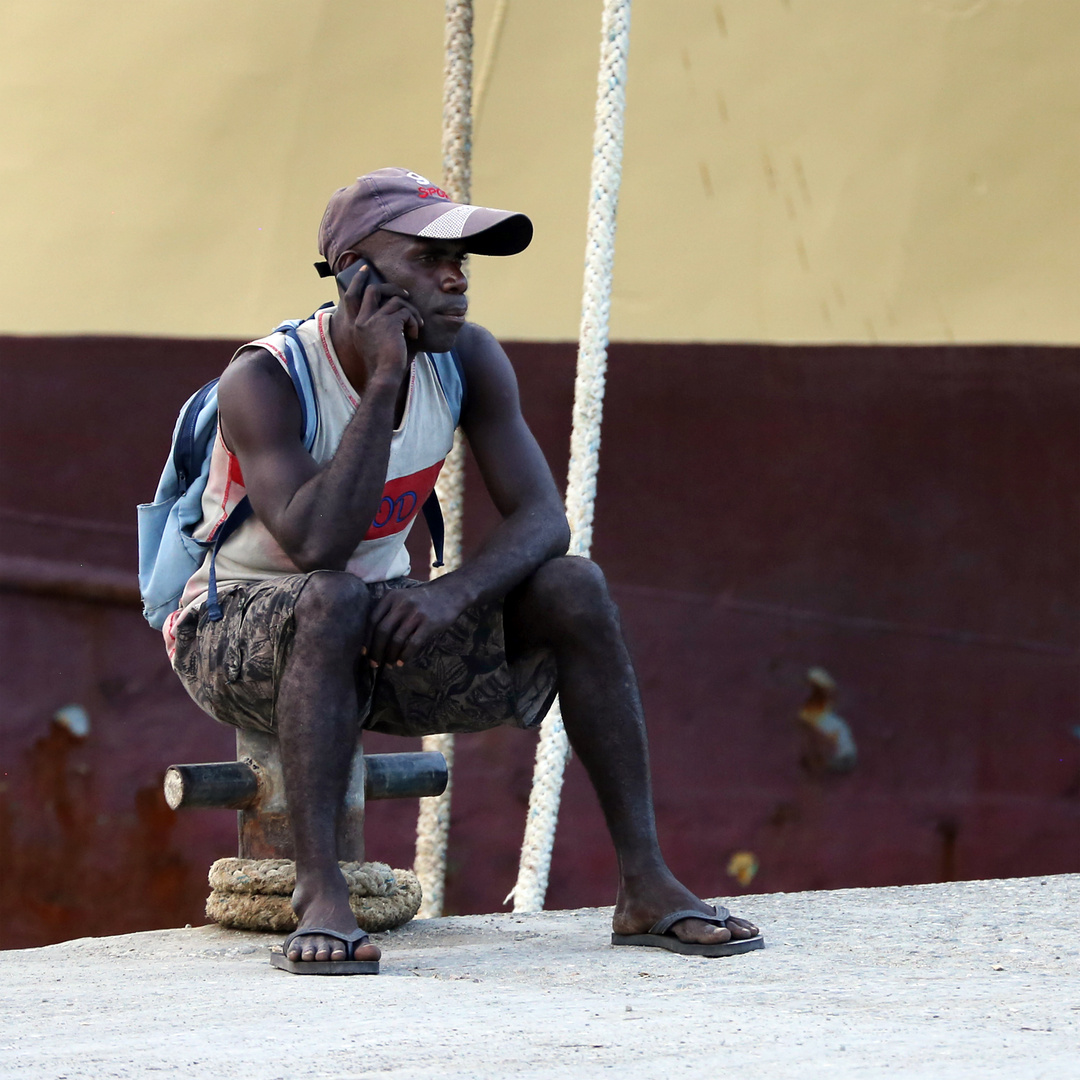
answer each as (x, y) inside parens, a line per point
(263, 826)
(254, 786)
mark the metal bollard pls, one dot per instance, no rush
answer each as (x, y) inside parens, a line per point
(254, 786)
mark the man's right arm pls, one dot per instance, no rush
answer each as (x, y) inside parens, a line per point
(318, 513)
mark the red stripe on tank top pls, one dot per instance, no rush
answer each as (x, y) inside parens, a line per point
(402, 499)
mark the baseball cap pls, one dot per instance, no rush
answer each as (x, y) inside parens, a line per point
(402, 201)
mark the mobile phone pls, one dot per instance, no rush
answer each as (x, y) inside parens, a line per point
(350, 271)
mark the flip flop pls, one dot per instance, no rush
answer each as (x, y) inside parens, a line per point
(659, 937)
(279, 955)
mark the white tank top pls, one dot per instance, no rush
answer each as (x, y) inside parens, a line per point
(417, 451)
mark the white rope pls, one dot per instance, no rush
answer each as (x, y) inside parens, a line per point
(553, 749)
(433, 823)
(254, 894)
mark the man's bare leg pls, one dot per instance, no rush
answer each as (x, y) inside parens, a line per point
(565, 606)
(317, 728)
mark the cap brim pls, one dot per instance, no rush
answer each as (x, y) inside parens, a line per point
(485, 231)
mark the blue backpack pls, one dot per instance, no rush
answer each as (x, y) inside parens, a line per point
(168, 552)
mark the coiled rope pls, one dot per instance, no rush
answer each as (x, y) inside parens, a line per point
(255, 894)
(433, 823)
(553, 750)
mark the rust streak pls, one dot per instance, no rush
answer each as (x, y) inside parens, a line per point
(804, 259)
(706, 179)
(770, 171)
(800, 179)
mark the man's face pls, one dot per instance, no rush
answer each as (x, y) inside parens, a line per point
(430, 271)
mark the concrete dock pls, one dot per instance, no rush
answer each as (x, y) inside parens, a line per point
(969, 979)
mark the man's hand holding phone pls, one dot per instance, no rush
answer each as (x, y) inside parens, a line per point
(384, 324)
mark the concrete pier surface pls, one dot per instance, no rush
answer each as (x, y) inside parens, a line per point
(967, 979)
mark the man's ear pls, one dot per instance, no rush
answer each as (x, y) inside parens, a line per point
(346, 259)
(344, 272)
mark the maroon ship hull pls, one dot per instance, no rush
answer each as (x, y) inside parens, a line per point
(905, 518)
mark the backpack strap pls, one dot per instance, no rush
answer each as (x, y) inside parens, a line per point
(185, 462)
(296, 363)
(456, 357)
(436, 526)
(451, 378)
(300, 373)
(241, 512)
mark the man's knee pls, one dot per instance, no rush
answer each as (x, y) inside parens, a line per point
(333, 605)
(572, 594)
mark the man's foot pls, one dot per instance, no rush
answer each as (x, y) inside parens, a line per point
(344, 944)
(644, 901)
(321, 947)
(323, 902)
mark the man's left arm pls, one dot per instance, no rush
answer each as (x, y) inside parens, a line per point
(533, 528)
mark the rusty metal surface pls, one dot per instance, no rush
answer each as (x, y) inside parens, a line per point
(906, 519)
(265, 832)
(87, 841)
(264, 836)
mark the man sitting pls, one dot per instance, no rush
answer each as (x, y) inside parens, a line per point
(321, 630)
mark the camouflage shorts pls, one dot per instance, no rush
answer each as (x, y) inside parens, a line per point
(461, 681)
